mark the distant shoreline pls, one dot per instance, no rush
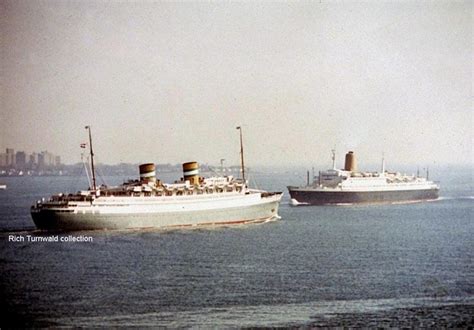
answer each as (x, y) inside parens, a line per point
(131, 170)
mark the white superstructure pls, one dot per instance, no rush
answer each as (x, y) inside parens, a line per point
(369, 181)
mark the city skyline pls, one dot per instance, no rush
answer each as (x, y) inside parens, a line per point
(25, 160)
(169, 82)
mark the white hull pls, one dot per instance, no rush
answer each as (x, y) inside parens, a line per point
(158, 212)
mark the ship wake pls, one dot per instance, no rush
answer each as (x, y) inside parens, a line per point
(294, 202)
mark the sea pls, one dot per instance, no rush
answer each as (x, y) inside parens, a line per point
(394, 265)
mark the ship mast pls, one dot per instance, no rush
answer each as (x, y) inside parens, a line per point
(241, 154)
(92, 158)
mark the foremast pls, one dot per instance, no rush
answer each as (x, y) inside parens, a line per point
(94, 187)
(242, 154)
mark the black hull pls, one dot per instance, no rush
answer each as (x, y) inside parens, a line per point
(314, 197)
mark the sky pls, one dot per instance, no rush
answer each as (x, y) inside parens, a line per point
(168, 82)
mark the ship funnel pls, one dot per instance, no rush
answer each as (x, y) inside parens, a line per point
(147, 172)
(191, 172)
(350, 162)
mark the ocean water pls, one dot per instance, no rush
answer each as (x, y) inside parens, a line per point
(378, 265)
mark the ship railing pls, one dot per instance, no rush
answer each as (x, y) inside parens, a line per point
(270, 194)
(181, 190)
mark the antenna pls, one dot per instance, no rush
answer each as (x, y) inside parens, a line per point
(333, 151)
(222, 166)
(92, 158)
(241, 154)
(383, 163)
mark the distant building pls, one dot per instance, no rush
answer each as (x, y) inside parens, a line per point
(3, 160)
(40, 162)
(33, 162)
(49, 159)
(10, 157)
(20, 159)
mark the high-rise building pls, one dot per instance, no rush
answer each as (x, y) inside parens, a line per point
(33, 160)
(40, 162)
(3, 160)
(48, 158)
(10, 157)
(20, 159)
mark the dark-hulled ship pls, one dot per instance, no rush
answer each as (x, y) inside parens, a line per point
(348, 186)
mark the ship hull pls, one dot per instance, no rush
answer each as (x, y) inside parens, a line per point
(139, 217)
(301, 196)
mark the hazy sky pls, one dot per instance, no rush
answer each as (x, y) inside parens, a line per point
(169, 82)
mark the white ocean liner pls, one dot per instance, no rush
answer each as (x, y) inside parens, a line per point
(149, 203)
(348, 186)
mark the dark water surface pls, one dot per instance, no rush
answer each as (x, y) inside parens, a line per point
(382, 265)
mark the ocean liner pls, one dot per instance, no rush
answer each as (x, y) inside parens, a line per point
(348, 186)
(149, 203)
